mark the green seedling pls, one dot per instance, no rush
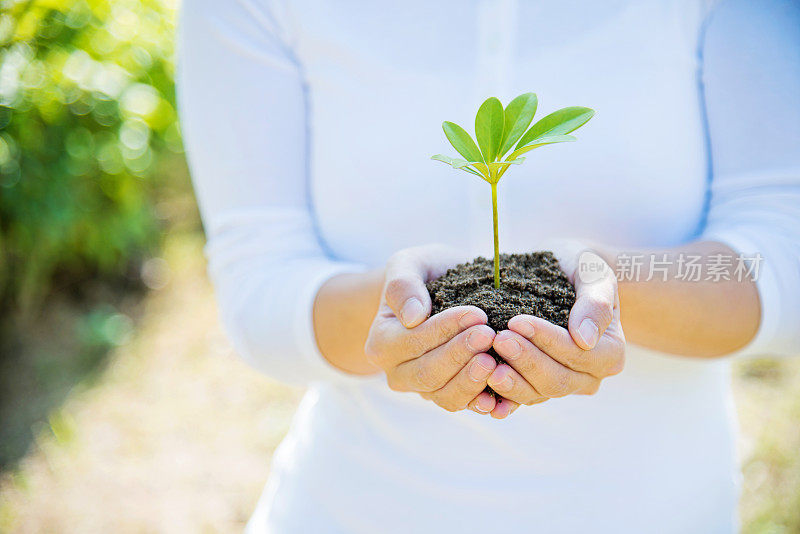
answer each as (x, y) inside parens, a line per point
(499, 130)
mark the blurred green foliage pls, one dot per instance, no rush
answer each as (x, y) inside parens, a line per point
(87, 121)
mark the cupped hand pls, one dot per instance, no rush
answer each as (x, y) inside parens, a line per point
(546, 361)
(443, 357)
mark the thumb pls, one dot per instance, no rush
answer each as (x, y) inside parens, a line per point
(596, 299)
(404, 290)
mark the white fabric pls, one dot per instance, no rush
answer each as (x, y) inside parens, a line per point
(309, 125)
(752, 82)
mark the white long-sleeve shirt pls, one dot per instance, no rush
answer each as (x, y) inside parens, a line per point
(309, 125)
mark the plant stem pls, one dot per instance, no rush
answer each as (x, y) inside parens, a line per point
(496, 238)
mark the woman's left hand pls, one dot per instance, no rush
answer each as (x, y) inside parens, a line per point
(545, 360)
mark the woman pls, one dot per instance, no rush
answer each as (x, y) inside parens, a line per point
(309, 125)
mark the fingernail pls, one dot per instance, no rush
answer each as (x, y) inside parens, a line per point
(478, 340)
(524, 327)
(510, 348)
(588, 332)
(478, 370)
(483, 405)
(504, 385)
(412, 312)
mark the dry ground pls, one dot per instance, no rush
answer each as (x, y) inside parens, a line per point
(175, 434)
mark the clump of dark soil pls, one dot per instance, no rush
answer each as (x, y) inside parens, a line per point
(531, 284)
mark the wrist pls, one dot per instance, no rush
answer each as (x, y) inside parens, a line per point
(343, 311)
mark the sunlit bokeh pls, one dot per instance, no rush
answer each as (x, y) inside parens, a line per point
(89, 126)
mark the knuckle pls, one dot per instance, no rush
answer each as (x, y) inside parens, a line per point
(446, 402)
(414, 345)
(452, 408)
(616, 364)
(468, 394)
(379, 331)
(527, 364)
(458, 355)
(618, 337)
(466, 389)
(394, 384)
(372, 357)
(426, 378)
(371, 350)
(376, 346)
(602, 310)
(445, 327)
(575, 360)
(592, 388)
(558, 385)
(546, 342)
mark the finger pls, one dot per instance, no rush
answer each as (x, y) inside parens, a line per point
(508, 383)
(468, 383)
(547, 376)
(606, 359)
(390, 343)
(484, 403)
(434, 369)
(596, 299)
(614, 330)
(504, 408)
(404, 290)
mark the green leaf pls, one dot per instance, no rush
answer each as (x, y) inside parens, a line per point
(489, 128)
(461, 141)
(456, 163)
(559, 122)
(497, 165)
(518, 116)
(548, 140)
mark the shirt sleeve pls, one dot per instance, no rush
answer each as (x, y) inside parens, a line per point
(243, 111)
(751, 84)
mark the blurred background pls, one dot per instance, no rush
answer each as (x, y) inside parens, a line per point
(122, 407)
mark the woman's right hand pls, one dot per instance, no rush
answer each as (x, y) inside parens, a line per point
(443, 358)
